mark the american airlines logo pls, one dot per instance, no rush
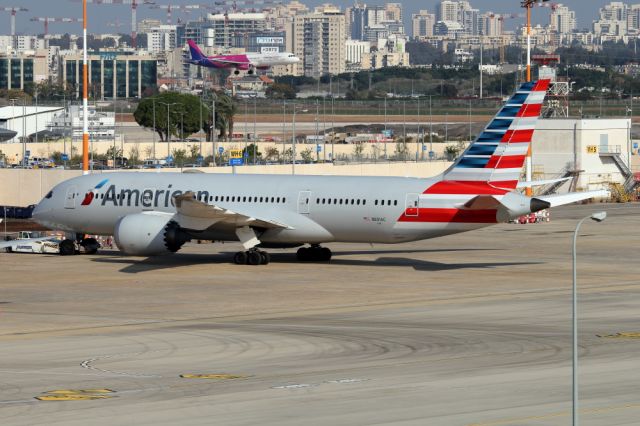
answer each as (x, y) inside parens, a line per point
(89, 196)
(149, 197)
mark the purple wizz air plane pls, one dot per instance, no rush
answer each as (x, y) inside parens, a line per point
(242, 62)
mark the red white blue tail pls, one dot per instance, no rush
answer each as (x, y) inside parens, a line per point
(497, 155)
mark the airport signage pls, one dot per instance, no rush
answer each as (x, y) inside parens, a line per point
(64, 157)
(270, 40)
(235, 153)
(236, 161)
(220, 150)
(318, 148)
(592, 149)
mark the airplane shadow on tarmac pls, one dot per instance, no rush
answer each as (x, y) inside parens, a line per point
(134, 266)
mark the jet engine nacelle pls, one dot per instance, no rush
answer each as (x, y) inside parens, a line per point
(148, 234)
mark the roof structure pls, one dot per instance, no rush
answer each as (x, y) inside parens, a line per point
(11, 112)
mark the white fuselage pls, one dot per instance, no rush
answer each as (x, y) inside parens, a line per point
(316, 208)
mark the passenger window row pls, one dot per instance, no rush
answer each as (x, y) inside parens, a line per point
(388, 202)
(342, 201)
(245, 199)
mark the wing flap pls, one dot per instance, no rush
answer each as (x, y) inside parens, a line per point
(198, 215)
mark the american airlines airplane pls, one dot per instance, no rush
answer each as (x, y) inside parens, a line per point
(245, 62)
(156, 213)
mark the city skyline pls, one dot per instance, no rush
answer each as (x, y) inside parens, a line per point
(109, 14)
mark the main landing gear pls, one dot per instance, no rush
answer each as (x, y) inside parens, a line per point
(252, 257)
(70, 247)
(315, 253)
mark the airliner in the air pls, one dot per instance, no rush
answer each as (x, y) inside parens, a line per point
(156, 213)
(243, 62)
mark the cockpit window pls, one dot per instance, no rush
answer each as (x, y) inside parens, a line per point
(49, 195)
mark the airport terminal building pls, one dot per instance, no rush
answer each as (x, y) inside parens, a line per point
(112, 75)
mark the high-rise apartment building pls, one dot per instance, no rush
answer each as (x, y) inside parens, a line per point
(448, 10)
(423, 23)
(319, 39)
(562, 20)
(393, 12)
(162, 38)
(491, 25)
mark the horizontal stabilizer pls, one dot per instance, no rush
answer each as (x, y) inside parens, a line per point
(573, 197)
(531, 183)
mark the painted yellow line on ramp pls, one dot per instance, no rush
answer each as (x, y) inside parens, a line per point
(520, 420)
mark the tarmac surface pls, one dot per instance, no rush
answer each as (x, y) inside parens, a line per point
(470, 329)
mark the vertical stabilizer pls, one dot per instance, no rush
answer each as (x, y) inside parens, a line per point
(497, 155)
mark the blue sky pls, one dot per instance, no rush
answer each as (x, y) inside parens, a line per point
(100, 15)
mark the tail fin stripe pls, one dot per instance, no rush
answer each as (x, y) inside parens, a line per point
(530, 110)
(518, 136)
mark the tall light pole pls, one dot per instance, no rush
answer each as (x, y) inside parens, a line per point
(214, 133)
(528, 4)
(293, 148)
(24, 132)
(255, 131)
(284, 134)
(168, 126)
(153, 100)
(598, 217)
(85, 102)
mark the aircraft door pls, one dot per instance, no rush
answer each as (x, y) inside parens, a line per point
(304, 201)
(70, 198)
(412, 205)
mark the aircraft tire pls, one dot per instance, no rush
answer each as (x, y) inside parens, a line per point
(303, 254)
(254, 257)
(325, 254)
(67, 248)
(90, 245)
(240, 258)
(8, 250)
(265, 258)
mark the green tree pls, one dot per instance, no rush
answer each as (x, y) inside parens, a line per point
(280, 91)
(180, 103)
(271, 153)
(194, 152)
(307, 155)
(179, 156)
(251, 152)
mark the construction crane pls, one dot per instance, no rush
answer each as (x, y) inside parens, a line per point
(13, 11)
(185, 8)
(233, 4)
(501, 19)
(48, 19)
(134, 7)
(225, 6)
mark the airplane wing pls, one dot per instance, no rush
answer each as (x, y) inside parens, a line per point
(197, 215)
(13, 243)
